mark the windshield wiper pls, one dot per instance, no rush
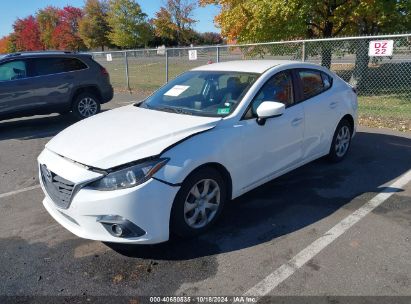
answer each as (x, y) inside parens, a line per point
(142, 104)
(173, 110)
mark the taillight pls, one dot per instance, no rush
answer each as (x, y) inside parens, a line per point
(104, 71)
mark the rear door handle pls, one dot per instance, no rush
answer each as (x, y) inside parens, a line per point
(296, 121)
(333, 104)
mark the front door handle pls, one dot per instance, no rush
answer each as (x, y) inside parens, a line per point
(296, 121)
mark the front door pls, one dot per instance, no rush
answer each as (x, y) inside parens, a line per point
(274, 147)
(16, 88)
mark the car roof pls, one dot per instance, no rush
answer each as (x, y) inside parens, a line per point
(41, 54)
(250, 66)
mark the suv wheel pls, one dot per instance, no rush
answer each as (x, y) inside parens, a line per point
(198, 203)
(85, 105)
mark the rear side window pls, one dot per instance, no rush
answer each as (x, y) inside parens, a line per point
(49, 66)
(13, 70)
(314, 82)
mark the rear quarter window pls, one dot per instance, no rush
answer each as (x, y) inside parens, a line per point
(327, 81)
(74, 64)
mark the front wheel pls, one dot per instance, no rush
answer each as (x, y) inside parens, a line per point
(198, 203)
(85, 105)
(341, 141)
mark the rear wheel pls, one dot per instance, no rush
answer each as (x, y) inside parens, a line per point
(85, 105)
(341, 141)
(198, 203)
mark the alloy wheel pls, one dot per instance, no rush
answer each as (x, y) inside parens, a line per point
(87, 107)
(342, 141)
(202, 203)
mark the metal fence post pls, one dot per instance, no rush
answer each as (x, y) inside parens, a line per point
(303, 52)
(127, 77)
(166, 65)
(218, 54)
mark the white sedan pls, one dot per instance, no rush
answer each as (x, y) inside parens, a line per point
(169, 164)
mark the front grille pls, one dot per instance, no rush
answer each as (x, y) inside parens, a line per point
(59, 189)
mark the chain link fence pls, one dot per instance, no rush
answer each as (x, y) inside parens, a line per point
(383, 83)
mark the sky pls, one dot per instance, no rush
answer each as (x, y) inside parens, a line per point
(11, 10)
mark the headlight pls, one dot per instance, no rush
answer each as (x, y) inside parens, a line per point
(129, 177)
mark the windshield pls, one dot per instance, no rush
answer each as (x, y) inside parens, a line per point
(204, 93)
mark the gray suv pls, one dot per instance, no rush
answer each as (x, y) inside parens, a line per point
(52, 82)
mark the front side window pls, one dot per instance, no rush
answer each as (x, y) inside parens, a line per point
(314, 82)
(279, 88)
(203, 93)
(13, 70)
(49, 66)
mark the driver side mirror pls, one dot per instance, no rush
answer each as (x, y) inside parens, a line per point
(269, 109)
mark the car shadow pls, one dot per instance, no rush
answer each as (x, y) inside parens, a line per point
(35, 126)
(293, 201)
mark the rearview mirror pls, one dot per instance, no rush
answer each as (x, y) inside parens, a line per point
(268, 109)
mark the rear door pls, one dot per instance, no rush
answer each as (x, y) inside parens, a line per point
(321, 108)
(55, 78)
(16, 88)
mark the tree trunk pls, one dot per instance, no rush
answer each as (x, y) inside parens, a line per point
(326, 48)
(360, 70)
(326, 54)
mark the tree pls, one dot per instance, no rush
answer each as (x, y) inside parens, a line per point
(210, 38)
(174, 21)
(267, 20)
(164, 27)
(380, 16)
(4, 43)
(128, 24)
(11, 43)
(258, 20)
(94, 27)
(66, 34)
(27, 34)
(47, 19)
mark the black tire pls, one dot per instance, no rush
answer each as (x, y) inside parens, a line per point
(178, 224)
(335, 155)
(77, 108)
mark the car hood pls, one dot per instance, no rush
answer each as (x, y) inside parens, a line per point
(124, 135)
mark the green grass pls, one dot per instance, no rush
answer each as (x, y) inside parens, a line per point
(388, 111)
(386, 106)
